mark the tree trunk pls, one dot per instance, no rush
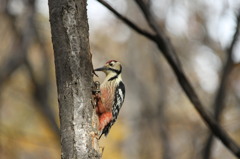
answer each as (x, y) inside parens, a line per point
(69, 27)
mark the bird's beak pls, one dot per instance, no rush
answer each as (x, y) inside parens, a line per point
(104, 68)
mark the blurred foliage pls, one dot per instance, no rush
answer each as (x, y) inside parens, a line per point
(157, 120)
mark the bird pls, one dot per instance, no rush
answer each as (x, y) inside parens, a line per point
(111, 96)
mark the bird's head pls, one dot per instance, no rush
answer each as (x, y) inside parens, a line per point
(111, 68)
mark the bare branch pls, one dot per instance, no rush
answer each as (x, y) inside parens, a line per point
(221, 92)
(161, 39)
(127, 21)
(168, 51)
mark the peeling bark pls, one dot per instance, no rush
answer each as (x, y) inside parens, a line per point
(70, 37)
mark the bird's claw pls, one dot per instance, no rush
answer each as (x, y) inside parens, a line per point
(95, 93)
(96, 87)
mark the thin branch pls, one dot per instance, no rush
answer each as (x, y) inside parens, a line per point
(221, 92)
(127, 21)
(168, 51)
(173, 61)
(161, 39)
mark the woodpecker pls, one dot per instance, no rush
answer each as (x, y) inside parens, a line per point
(111, 96)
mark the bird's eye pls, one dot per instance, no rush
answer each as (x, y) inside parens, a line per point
(111, 64)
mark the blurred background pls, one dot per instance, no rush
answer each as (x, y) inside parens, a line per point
(157, 120)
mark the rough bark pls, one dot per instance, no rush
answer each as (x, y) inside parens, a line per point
(70, 37)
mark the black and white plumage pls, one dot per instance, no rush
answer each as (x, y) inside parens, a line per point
(112, 96)
(117, 105)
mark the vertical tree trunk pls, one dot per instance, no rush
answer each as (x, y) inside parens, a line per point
(69, 27)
